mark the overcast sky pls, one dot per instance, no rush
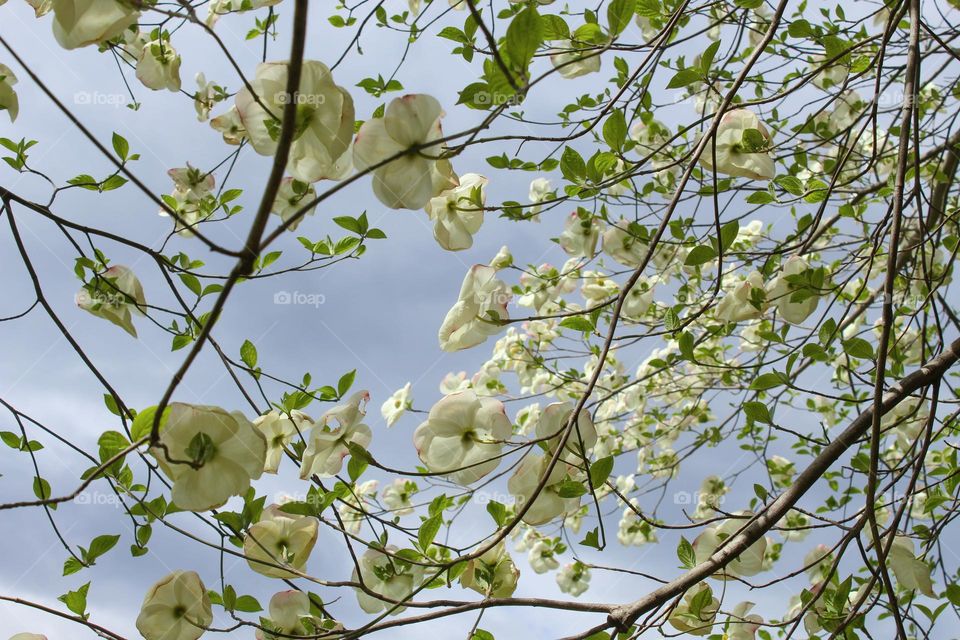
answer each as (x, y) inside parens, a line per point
(380, 315)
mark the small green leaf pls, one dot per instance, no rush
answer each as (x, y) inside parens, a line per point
(766, 381)
(858, 348)
(120, 146)
(758, 412)
(76, 601)
(248, 353)
(345, 382)
(428, 530)
(683, 78)
(578, 323)
(600, 471)
(688, 558)
(700, 254)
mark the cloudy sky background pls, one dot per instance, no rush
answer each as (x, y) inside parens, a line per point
(380, 315)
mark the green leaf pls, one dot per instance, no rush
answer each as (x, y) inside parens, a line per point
(10, 439)
(120, 146)
(592, 538)
(953, 594)
(649, 8)
(358, 462)
(524, 36)
(728, 233)
(619, 14)
(71, 565)
(688, 559)
(497, 511)
(753, 141)
(858, 348)
(683, 77)
(758, 412)
(671, 321)
(791, 185)
(143, 422)
(192, 282)
(800, 29)
(554, 27)
(706, 60)
(428, 530)
(572, 165)
(760, 197)
(345, 382)
(348, 223)
(100, 545)
(615, 130)
(571, 489)
(578, 323)
(600, 471)
(248, 353)
(41, 488)
(201, 448)
(76, 601)
(699, 255)
(685, 344)
(247, 604)
(761, 492)
(766, 381)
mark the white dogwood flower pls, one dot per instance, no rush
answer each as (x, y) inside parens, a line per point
(409, 129)
(580, 235)
(542, 557)
(191, 197)
(230, 126)
(324, 119)
(219, 8)
(743, 625)
(686, 618)
(398, 496)
(482, 303)
(457, 213)
(552, 425)
(78, 23)
(159, 66)
(462, 436)
(742, 147)
(114, 295)
(225, 451)
(574, 578)
(279, 430)
(280, 538)
(782, 291)
(388, 576)
(292, 196)
(556, 498)
(746, 300)
(493, 574)
(571, 62)
(329, 440)
(397, 404)
(8, 97)
(748, 563)
(175, 608)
